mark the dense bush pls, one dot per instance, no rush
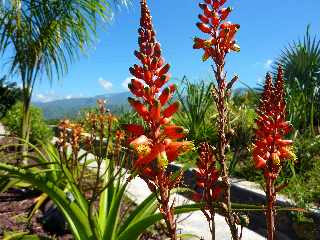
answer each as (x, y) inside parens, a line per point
(39, 130)
(9, 95)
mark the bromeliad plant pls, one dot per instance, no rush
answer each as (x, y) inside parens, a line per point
(156, 143)
(213, 22)
(271, 150)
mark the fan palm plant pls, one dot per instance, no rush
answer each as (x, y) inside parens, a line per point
(301, 65)
(44, 37)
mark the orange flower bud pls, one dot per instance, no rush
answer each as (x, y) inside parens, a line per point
(259, 162)
(160, 81)
(204, 28)
(225, 13)
(169, 111)
(207, 12)
(174, 132)
(139, 107)
(203, 19)
(137, 84)
(135, 91)
(165, 96)
(198, 43)
(164, 70)
(155, 111)
(148, 76)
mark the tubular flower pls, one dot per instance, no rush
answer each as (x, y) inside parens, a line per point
(221, 33)
(270, 149)
(207, 176)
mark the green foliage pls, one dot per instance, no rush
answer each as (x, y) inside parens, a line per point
(301, 65)
(39, 129)
(9, 95)
(45, 37)
(242, 123)
(304, 185)
(196, 111)
(77, 180)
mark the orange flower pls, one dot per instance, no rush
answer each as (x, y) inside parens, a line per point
(148, 86)
(271, 150)
(221, 40)
(206, 176)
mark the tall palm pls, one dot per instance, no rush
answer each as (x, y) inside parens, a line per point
(301, 63)
(45, 36)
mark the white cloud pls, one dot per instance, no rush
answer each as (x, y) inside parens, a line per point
(52, 96)
(107, 85)
(41, 97)
(268, 64)
(126, 82)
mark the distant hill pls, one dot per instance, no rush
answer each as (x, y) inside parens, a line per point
(69, 108)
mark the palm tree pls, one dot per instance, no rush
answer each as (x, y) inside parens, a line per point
(301, 64)
(45, 36)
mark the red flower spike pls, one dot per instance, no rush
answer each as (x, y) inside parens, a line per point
(271, 150)
(222, 33)
(272, 127)
(207, 176)
(155, 147)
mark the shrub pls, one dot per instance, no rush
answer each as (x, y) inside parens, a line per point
(39, 129)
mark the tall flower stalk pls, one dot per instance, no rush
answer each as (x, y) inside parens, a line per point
(156, 143)
(213, 22)
(206, 180)
(271, 150)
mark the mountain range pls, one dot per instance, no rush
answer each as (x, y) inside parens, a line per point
(70, 108)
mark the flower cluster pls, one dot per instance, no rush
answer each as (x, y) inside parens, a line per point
(157, 144)
(213, 22)
(207, 175)
(270, 148)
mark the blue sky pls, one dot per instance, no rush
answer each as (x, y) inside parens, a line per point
(266, 27)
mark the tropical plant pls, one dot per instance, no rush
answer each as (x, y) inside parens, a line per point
(271, 149)
(87, 189)
(39, 130)
(9, 95)
(220, 41)
(301, 66)
(44, 37)
(156, 143)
